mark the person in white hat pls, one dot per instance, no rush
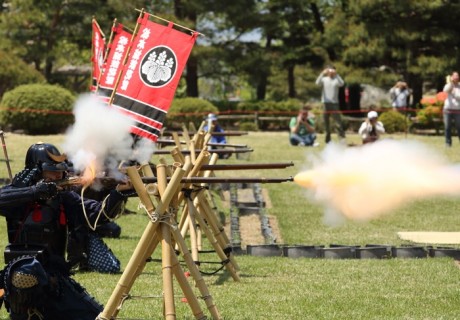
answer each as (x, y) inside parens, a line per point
(371, 129)
(212, 124)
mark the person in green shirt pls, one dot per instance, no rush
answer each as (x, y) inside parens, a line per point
(302, 128)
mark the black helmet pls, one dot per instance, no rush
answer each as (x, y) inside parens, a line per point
(45, 156)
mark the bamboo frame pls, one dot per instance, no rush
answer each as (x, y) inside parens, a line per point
(162, 229)
(147, 240)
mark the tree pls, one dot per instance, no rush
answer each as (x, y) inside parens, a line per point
(52, 33)
(415, 38)
(294, 30)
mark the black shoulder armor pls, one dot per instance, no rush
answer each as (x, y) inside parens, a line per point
(26, 178)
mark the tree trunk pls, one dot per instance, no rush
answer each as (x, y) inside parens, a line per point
(291, 82)
(320, 27)
(262, 87)
(192, 77)
(416, 84)
(263, 77)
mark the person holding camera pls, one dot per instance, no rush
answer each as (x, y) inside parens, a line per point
(371, 129)
(302, 128)
(330, 82)
(451, 108)
(400, 95)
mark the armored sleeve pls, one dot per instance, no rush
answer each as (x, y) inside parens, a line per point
(11, 196)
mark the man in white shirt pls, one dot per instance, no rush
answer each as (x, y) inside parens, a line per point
(452, 108)
(400, 95)
(330, 82)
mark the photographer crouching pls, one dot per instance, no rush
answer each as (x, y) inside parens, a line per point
(302, 130)
(371, 129)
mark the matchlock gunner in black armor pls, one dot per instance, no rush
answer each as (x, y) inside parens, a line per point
(37, 280)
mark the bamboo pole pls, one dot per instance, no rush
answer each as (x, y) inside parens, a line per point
(220, 252)
(7, 159)
(140, 254)
(218, 230)
(176, 138)
(202, 159)
(200, 283)
(192, 227)
(125, 60)
(170, 263)
(178, 25)
(177, 155)
(166, 254)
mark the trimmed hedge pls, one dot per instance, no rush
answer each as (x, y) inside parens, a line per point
(290, 105)
(37, 109)
(186, 110)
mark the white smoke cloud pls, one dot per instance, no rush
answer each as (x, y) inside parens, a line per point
(364, 182)
(101, 135)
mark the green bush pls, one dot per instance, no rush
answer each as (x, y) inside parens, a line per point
(393, 121)
(271, 108)
(290, 105)
(248, 126)
(225, 105)
(429, 114)
(15, 72)
(186, 110)
(37, 109)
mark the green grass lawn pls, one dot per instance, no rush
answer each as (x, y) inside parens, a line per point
(285, 288)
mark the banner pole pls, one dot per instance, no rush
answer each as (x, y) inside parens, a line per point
(136, 30)
(7, 160)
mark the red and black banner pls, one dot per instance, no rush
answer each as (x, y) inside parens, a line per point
(151, 74)
(97, 54)
(116, 52)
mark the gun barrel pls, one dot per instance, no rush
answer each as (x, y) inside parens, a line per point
(219, 151)
(211, 144)
(246, 166)
(226, 133)
(78, 181)
(223, 180)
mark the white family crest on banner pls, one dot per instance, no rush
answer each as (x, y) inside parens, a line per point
(158, 66)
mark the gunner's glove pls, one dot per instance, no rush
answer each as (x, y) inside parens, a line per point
(45, 190)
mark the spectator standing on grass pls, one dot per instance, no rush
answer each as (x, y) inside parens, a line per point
(451, 110)
(330, 82)
(302, 128)
(371, 129)
(400, 94)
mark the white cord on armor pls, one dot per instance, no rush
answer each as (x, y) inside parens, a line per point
(102, 211)
(34, 312)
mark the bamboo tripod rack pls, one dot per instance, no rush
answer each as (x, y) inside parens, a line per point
(163, 230)
(197, 215)
(197, 218)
